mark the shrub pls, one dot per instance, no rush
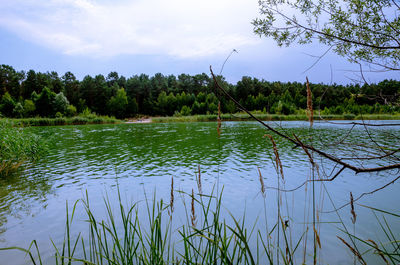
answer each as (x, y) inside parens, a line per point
(71, 111)
(348, 116)
(18, 110)
(186, 111)
(29, 107)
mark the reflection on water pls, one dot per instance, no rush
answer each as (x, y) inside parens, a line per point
(18, 194)
(144, 157)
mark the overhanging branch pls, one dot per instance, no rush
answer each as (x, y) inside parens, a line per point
(298, 142)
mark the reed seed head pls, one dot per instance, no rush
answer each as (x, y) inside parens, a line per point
(380, 253)
(261, 182)
(353, 213)
(171, 203)
(199, 186)
(310, 111)
(219, 119)
(305, 150)
(317, 237)
(355, 252)
(193, 215)
(277, 158)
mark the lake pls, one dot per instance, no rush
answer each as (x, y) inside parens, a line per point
(140, 159)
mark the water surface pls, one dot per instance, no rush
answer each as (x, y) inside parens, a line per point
(142, 158)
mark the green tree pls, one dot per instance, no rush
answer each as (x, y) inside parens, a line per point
(166, 104)
(261, 102)
(361, 30)
(45, 103)
(171, 104)
(186, 111)
(43, 80)
(201, 97)
(71, 111)
(29, 107)
(212, 108)
(81, 106)
(55, 82)
(112, 78)
(250, 102)
(71, 87)
(162, 103)
(118, 104)
(243, 88)
(18, 110)
(10, 81)
(88, 91)
(230, 107)
(61, 103)
(7, 105)
(30, 84)
(159, 83)
(132, 108)
(102, 94)
(186, 83)
(211, 98)
(196, 108)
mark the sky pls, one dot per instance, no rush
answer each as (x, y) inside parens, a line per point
(158, 36)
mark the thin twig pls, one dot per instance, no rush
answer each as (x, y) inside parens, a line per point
(321, 153)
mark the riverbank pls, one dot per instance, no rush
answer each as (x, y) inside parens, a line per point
(92, 119)
(140, 120)
(273, 117)
(78, 120)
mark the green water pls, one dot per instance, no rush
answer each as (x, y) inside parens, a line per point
(142, 158)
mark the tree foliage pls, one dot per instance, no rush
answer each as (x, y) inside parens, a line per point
(34, 94)
(361, 30)
(117, 104)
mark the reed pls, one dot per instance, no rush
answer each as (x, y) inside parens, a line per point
(353, 250)
(310, 111)
(78, 120)
(389, 250)
(126, 236)
(353, 213)
(261, 183)
(219, 119)
(278, 161)
(199, 185)
(171, 201)
(193, 212)
(17, 148)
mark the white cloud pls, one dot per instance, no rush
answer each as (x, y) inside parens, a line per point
(184, 28)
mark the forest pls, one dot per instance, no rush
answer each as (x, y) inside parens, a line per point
(35, 94)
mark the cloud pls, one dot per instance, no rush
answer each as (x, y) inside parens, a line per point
(183, 28)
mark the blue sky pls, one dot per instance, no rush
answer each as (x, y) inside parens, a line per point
(150, 36)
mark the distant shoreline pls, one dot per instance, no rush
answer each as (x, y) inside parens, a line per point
(195, 118)
(144, 120)
(272, 117)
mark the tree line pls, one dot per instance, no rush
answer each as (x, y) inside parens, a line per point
(29, 94)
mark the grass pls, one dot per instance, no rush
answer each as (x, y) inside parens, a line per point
(148, 232)
(17, 147)
(208, 240)
(78, 120)
(94, 119)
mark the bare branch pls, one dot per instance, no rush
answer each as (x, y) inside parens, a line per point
(330, 157)
(368, 45)
(364, 194)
